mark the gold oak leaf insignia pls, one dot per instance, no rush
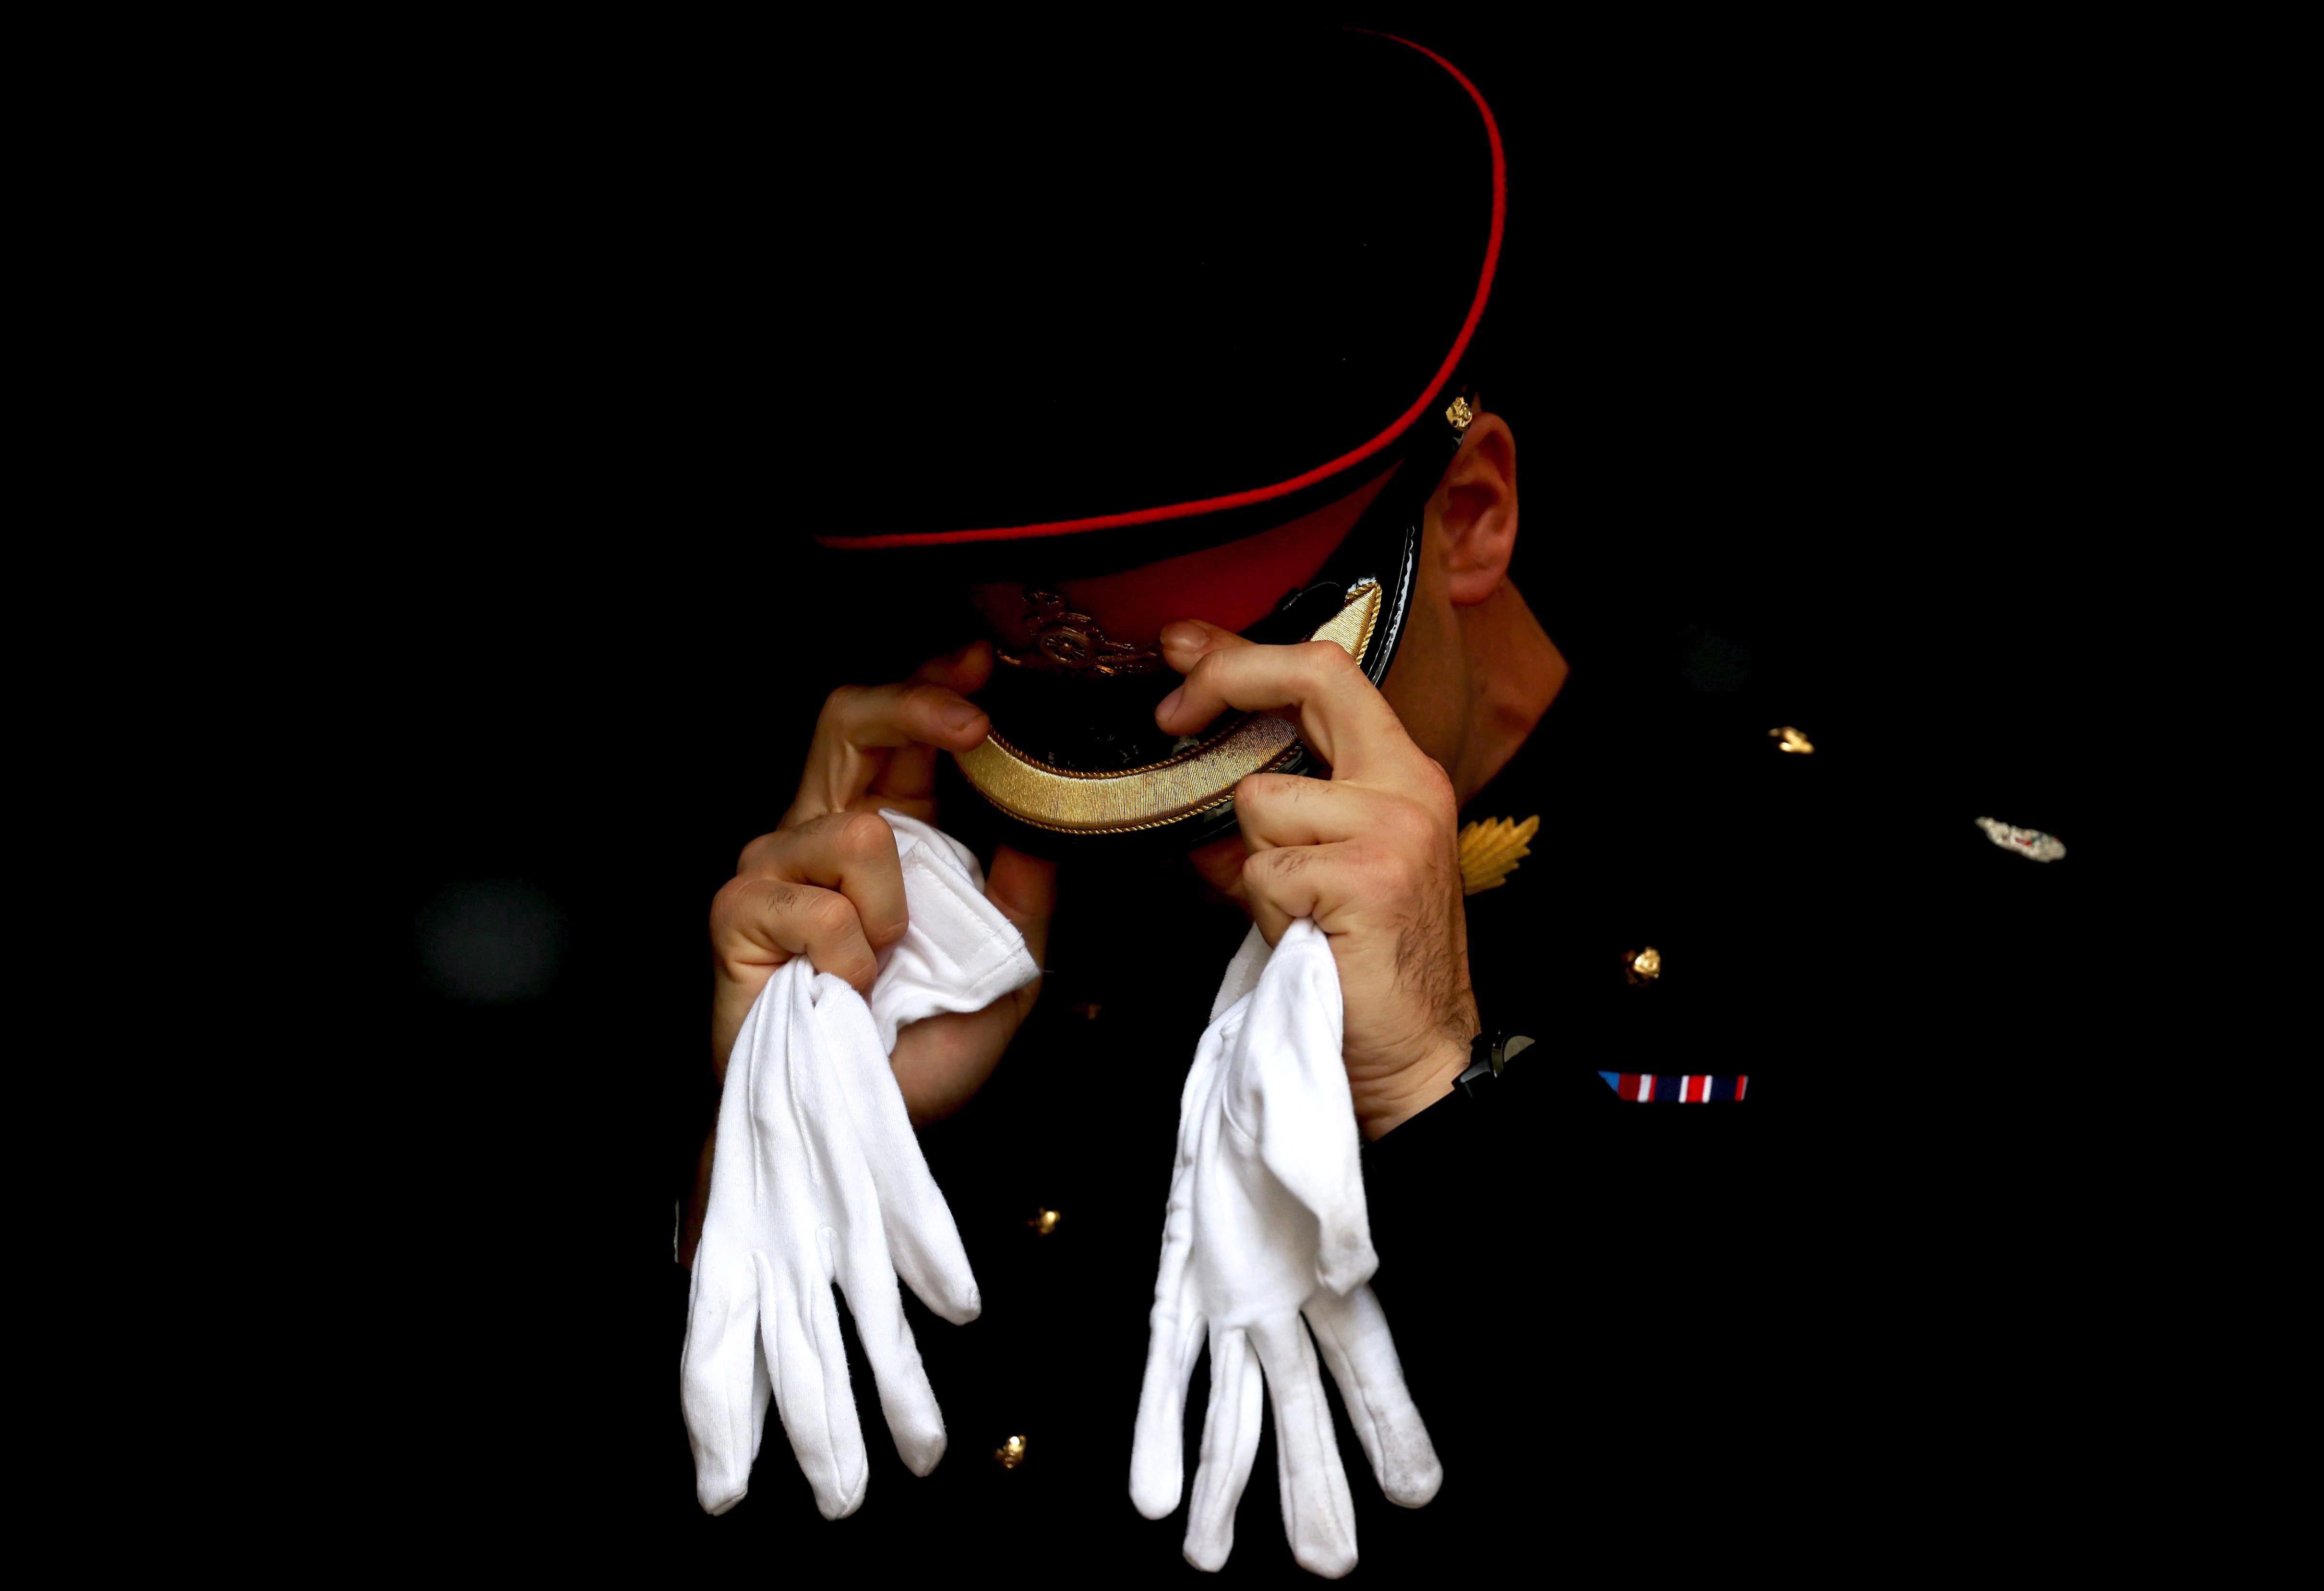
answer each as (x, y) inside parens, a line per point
(1492, 849)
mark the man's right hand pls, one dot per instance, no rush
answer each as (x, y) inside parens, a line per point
(826, 883)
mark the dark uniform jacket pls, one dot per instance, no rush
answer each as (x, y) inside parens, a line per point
(1633, 1329)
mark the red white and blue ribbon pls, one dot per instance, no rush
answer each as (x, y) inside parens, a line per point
(1651, 1088)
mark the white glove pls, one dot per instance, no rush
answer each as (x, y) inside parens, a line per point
(817, 1178)
(1267, 1224)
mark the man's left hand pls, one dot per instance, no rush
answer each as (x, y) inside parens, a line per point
(1370, 854)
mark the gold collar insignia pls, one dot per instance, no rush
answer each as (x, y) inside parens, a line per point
(1492, 849)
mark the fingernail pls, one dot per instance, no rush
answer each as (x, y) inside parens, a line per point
(1169, 703)
(1183, 635)
(959, 715)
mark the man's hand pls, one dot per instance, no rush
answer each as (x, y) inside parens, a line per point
(1369, 854)
(826, 883)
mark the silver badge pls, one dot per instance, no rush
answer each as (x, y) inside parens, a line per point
(2031, 842)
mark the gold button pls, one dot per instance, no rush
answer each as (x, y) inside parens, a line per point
(1043, 1221)
(1086, 1010)
(1788, 739)
(1642, 967)
(1009, 1454)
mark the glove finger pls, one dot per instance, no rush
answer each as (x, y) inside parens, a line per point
(1318, 1515)
(722, 1383)
(813, 1394)
(1301, 1114)
(1230, 1443)
(923, 1241)
(906, 1397)
(1354, 1335)
(1174, 1336)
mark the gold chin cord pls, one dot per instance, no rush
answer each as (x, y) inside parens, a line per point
(1124, 800)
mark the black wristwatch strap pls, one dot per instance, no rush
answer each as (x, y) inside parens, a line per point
(1489, 1053)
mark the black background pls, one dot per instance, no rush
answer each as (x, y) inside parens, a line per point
(1814, 359)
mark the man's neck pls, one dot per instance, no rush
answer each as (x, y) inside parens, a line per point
(1515, 672)
(1512, 671)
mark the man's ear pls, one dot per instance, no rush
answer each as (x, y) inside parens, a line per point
(1476, 511)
